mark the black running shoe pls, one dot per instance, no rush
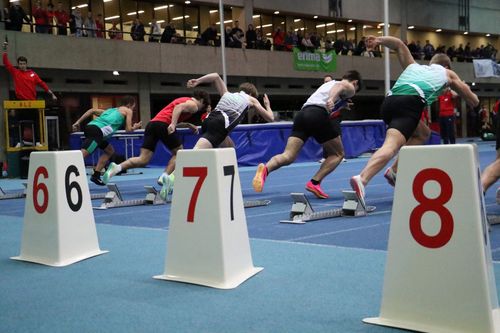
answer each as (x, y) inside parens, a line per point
(96, 179)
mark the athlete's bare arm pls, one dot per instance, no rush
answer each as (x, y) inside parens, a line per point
(88, 113)
(209, 78)
(129, 127)
(266, 112)
(186, 107)
(462, 89)
(343, 89)
(396, 44)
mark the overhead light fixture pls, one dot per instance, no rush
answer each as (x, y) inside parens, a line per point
(315, 16)
(213, 11)
(180, 18)
(466, 32)
(349, 20)
(352, 29)
(488, 35)
(439, 30)
(411, 27)
(473, 83)
(116, 73)
(163, 7)
(226, 21)
(187, 2)
(277, 12)
(135, 13)
(255, 16)
(296, 20)
(111, 17)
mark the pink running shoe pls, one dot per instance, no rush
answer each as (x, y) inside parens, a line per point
(316, 190)
(390, 175)
(359, 188)
(260, 178)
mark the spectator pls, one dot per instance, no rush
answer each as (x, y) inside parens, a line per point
(99, 26)
(428, 50)
(50, 18)
(338, 45)
(460, 53)
(290, 40)
(115, 32)
(168, 33)
(361, 47)
(76, 23)
(209, 36)
(329, 45)
(62, 19)
(178, 39)
(468, 53)
(228, 38)
(447, 116)
(155, 32)
(307, 44)
(25, 80)
(89, 26)
(237, 35)
(41, 19)
(450, 52)
(346, 47)
(137, 31)
(279, 39)
(266, 43)
(15, 16)
(251, 37)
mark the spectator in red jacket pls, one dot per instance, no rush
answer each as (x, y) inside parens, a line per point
(25, 80)
(62, 19)
(447, 116)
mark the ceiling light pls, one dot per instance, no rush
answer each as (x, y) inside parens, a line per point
(213, 11)
(488, 35)
(349, 20)
(439, 30)
(352, 29)
(315, 16)
(116, 73)
(411, 27)
(111, 17)
(277, 12)
(187, 2)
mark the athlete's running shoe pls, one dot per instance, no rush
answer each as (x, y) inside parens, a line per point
(390, 175)
(359, 188)
(316, 190)
(96, 179)
(260, 178)
(165, 180)
(110, 172)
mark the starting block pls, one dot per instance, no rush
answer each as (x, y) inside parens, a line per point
(114, 199)
(303, 212)
(14, 195)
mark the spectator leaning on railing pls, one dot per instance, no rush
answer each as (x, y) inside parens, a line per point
(62, 19)
(14, 17)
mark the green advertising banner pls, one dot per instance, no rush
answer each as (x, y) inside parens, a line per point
(314, 61)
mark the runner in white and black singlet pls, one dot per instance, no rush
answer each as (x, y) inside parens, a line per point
(229, 112)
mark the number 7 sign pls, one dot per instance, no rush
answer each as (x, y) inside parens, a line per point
(208, 239)
(439, 273)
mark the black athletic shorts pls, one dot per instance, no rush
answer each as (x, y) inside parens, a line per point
(214, 129)
(93, 139)
(158, 131)
(403, 112)
(315, 121)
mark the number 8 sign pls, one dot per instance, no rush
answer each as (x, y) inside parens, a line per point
(59, 227)
(439, 263)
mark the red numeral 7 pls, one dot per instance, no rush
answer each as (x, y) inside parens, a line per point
(200, 172)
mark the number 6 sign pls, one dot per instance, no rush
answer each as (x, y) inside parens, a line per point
(59, 227)
(439, 274)
(208, 238)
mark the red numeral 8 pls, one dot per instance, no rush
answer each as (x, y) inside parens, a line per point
(435, 205)
(40, 187)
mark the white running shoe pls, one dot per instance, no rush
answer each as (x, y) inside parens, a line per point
(359, 188)
(110, 172)
(390, 176)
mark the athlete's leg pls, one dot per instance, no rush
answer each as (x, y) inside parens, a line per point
(104, 158)
(202, 143)
(394, 140)
(419, 137)
(227, 143)
(293, 146)
(334, 151)
(139, 161)
(292, 149)
(491, 174)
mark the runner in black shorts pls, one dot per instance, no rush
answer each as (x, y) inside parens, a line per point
(315, 119)
(418, 86)
(162, 128)
(99, 130)
(229, 112)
